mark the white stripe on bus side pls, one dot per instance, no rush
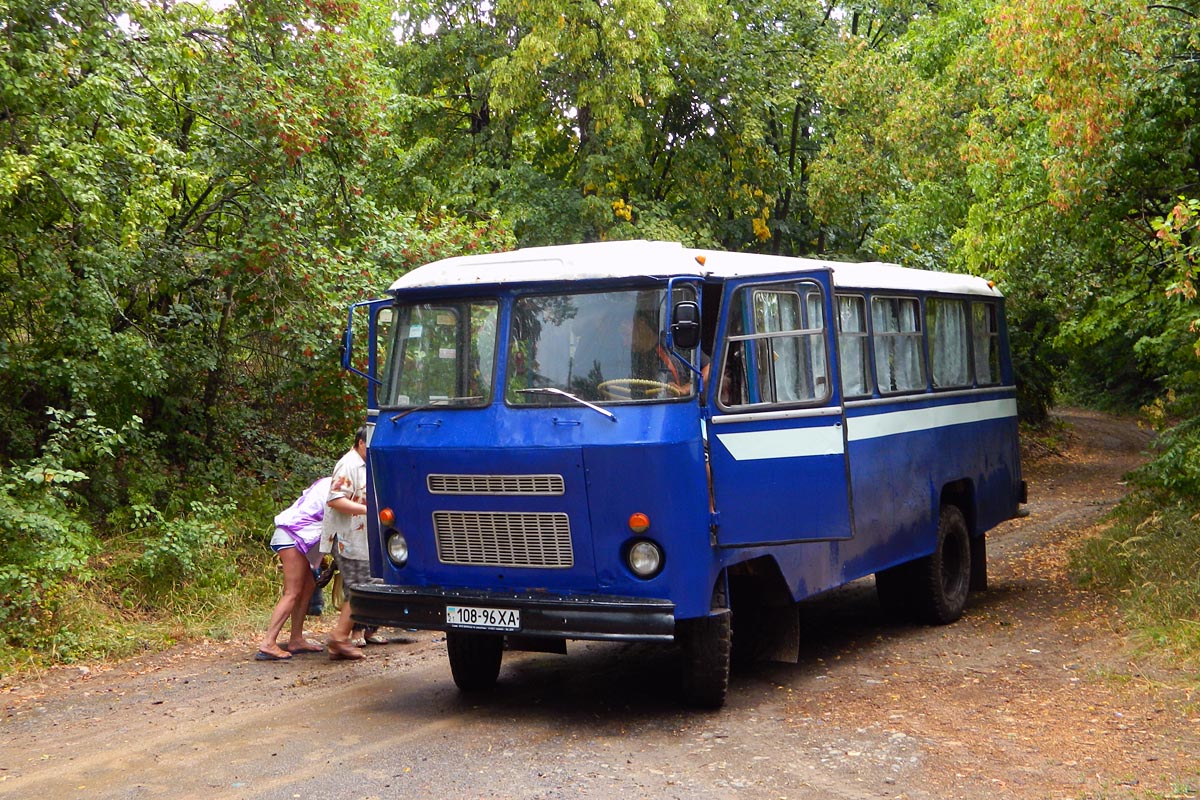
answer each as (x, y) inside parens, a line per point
(756, 445)
(827, 440)
(923, 419)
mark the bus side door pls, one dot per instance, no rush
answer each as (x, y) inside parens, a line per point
(776, 425)
(370, 355)
(379, 327)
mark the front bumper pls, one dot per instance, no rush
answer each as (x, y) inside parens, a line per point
(598, 617)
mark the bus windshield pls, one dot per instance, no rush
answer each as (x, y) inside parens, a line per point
(441, 353)
(604, 347)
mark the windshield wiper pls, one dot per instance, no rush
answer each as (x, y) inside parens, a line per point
(569, 396)
(434, 404)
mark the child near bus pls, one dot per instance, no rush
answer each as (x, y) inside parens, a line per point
(345, 535)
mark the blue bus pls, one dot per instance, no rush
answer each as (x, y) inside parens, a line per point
(638, 441)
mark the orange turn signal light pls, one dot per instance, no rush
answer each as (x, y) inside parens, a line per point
(700, 260)
(639, 522)
(386, 516)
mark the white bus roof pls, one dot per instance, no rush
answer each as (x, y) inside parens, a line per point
(632, 259)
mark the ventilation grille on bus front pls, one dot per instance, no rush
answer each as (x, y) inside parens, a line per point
(503, 539)
(495, 484)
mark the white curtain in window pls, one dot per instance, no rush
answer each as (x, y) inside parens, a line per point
(884, 321)
(948, 343)
(815, 348)
(898, 364)
(786, 351)
(987, 344)
(852, 346)
(908, 356)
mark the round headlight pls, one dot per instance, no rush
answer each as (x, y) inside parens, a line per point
(645, 558)
(397, 547)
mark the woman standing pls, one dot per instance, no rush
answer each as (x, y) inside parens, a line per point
(297, 533)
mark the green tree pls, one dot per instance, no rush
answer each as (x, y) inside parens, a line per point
(1033, 143)
(615, 120)
(189, 200)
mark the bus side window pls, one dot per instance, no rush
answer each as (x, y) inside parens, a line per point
(899, 361)
(777, 352)
(949, 349)
(985, 337)
(853, 346)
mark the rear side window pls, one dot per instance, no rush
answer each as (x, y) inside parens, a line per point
(949, 342)
(985, 339)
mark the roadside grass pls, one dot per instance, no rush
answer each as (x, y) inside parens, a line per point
(140, 578)
(1130, 788)
(1149, 560)
(114, 613)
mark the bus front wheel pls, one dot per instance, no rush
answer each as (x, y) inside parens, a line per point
(706, 645)
(946, 573)
(474, 659)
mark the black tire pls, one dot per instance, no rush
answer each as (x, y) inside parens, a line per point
(474, 659)
(706, 646)
(945, 575)
(747, 645)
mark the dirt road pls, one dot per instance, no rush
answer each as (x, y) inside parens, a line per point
(1033, 694)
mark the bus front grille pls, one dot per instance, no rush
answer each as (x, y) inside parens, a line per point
(502, 539)
(495, 484)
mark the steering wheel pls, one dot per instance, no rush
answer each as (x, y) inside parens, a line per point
(623, 388)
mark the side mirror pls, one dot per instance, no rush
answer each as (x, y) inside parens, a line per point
(685, 324)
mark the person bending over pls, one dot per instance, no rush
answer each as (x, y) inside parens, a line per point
(297, 533)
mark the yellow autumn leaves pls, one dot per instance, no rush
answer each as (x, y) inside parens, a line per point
(622, 210)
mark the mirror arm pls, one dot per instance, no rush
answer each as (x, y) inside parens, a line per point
(671, 322)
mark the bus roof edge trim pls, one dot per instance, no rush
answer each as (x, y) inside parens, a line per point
(634, 259)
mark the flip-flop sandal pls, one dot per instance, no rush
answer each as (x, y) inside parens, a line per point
(263, 656)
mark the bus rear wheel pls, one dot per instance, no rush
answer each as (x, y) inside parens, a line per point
(945, 575)
(474, 659)
(706, 645)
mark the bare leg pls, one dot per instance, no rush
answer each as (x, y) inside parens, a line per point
(341, 629)
(339, 637)
(297, 643)
(338, 642)
(295, 568)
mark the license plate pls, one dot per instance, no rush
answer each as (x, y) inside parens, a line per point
(504, 619)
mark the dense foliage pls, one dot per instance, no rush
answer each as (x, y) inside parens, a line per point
(192, 194)
(190, 201)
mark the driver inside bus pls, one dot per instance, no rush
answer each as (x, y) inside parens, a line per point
(650, 357)
(637, 364)
(652, 360)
